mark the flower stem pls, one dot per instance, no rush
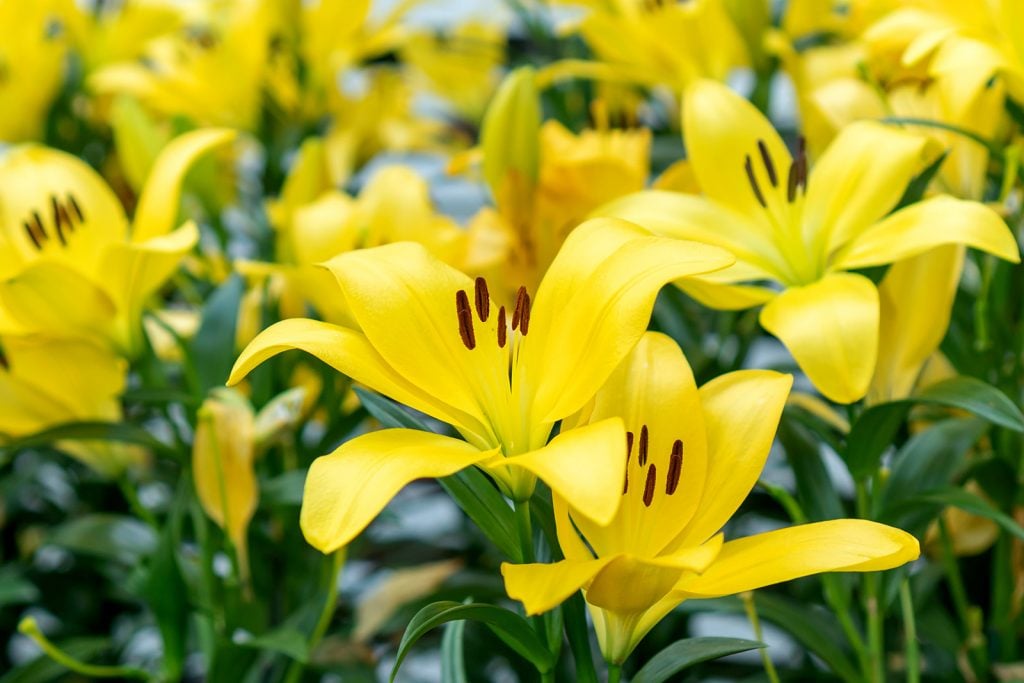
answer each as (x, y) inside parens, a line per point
(523, 526)
(910, 633)
(875, 671)
(755, 622)
(30, 628)
(326, 612)
(614, 673)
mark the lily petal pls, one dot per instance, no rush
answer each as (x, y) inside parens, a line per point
(348, 488)
(852, 545)
(584, 466)
(49, 297)
(158, 204)
(853, 186)
(542, 587)
(831, 328)
(741, 413)
(594, 305)
(924, 225)
(349, 352)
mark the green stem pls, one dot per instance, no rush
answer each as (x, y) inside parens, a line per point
(326, 613)
(30, 628)
(974, 640)
(579, 639)
(525, 529)
(910, 633)
(875, 670)
(614, 673)
(755, 622)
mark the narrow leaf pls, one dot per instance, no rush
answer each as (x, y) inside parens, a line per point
(683, 654)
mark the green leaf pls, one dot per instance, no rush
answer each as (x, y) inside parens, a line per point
(285, 489)
(166, 594)
(511, 628)
(685, 653)
(123, 432)
(15, 589)
(919, 184)
(214, 344)
(976, 397)
(389, 413)
(968, 502)
(286, 640)
(477, 496)
(816, 492)
(107, 536)
(871, 435)
(453, 661)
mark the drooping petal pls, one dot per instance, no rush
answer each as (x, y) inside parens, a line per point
(348, 488)
(741, 413)
(722, 132)
(349, 352)
(542, 587)
(157, 211)
(853, 184)
(836, 545)
(831, 328)
(916, 303)
(51, 298)
(584, 466)
(924, 225)
(654, 392)
(405, 301)
(594, 305)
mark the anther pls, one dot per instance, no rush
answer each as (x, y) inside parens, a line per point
(76, 208)
(32, 235)
(768, 165)
(502, 327)
(675, 467)
(642, 446)
(652, 478)
(749, 168)
(801, 160)
(465, 315)
(60, 218)
(483, 299)
(524, 319)
(794, 180)
(517, 311)
(629, 452)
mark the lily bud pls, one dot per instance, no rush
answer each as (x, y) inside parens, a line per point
(510, 136)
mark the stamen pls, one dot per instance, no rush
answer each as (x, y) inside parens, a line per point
(465, 315)
(517, 312)
(502, 327)
(32, 235)
(749, 168)
(675, 467)
(652, 478)
(642, 447)
(524, 319)
(768, 165)
(629, 453)
(76, 208)
(483, 299)
(801, 160)
(794, 180)
(60, 218)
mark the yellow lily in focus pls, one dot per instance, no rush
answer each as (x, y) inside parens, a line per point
(502, 375)
(45, 382)
(70, 263)
(32, 51)
(692, 456)
(802, 232)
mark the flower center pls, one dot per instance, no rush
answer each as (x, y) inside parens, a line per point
(650, 470)
(482, 304)
(64, 218)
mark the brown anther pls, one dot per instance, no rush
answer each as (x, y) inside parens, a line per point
(675, 467)
(801, 161)
(60, 218)
(76, 208)
(502, 327)
(465, 315)
(517, 311)
(793, 182)
(642, 446)
(32, 235)
(483, 299)
(629, 452)
(652, 478)
(768, 165)
(524, 319)
(748, 166)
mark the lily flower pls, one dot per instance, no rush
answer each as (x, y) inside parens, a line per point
(692, 456)
(797, 235)
(70, 263)
(501, 374)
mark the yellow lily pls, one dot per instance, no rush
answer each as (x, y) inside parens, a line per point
(70, 264)
(45, 382)
(804, 232)
(433, 339)
(32, 51)
(120, 32)
(692, 457)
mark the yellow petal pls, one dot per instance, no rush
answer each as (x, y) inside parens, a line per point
(542, 587)
(916, 303)
(585, 466)
(157, 211)
(831, 328)
(349, 352)
(725, 297)
(594, 304)
(924, 225)
(741, 412)
(405, 302)
(322, 228)
(348, 488)
(853, 184)
(48, 297)
(722, 131)
(851, 545)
